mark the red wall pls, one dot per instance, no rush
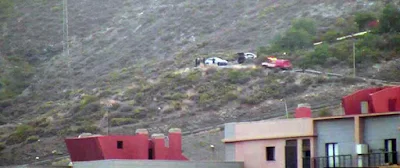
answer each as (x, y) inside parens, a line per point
(91, 152)
(175, 146)
(352, 103)
(130, 148)
(134, 147)
(380, 100)
(303, 112)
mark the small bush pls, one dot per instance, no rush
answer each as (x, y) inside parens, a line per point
(394, 42)
(363, 18)
(5, 103)
(42, 122)
(2, 146)
(56, 8)
(20, 134)
(330, 36)
(93, 107)
(140, 113)
(238, 77)
(306, 24)
(350, 80)
(321, 80)
(230, 96)
(175, 96)
(32, 139)
(176, 105)
(193, 76)
(251, 100)
(6, 8)
(342, 50)
(63, 162)
(125, 108)
(87, 128)
(389, 21)
(121, 121)
(324, 113)
(88, 99)
(205, 98)
(307, 81)
(320, 54)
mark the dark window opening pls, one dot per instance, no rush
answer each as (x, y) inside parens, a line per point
(392, 105)
(391, 152)
(270, 152)
(120, 145)
(306, 153)
(332, 152)
(291, 142)
(151, 154)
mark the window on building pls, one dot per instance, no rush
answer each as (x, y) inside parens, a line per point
(270, 152)
(120, 145)
(151, 154)
(391, 153)
(306, 153)
(332, 152)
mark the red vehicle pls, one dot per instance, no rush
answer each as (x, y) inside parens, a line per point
(273, 62)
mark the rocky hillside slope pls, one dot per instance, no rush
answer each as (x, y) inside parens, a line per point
(124, 62)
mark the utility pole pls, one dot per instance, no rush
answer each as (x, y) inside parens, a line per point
(286, 108)
(108, 122)
(354, 57)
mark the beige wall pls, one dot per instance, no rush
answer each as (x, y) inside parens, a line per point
(254, 137)
(275, 128)
(253, 154)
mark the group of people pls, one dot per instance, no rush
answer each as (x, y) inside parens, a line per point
(198, 61)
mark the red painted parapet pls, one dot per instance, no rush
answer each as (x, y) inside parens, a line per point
(352, 103)
(303, 111)
(386, 100)
(142, 144)
(90, 144)
(175, 144)
(137, 146)
(159, 149)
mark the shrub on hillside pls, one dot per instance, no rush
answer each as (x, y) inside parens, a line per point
(20, 134)
(31, 139)
(306, 24)
(389, 20)
(87, 99)
(391, 72)
(87, 127)
(2, 146)
(5, 103)
(367, 55)
(299, 36)
(330, 36)
(320, 54)
(121, 121)
(342, 50)
(394, 42)
(307, 81)
(324, 113)
(372, 41)
(295, 39)
(6, 9)
(363, 18)
(238, 77)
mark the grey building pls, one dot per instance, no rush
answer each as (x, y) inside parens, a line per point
(360, 140)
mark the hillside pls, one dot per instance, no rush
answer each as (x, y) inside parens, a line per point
(131, 55)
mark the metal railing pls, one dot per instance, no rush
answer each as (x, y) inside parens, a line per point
(333, 161)
(379, 159)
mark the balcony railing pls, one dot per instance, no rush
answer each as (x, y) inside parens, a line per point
(379, 159)
(367, 160)
(333, 161)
